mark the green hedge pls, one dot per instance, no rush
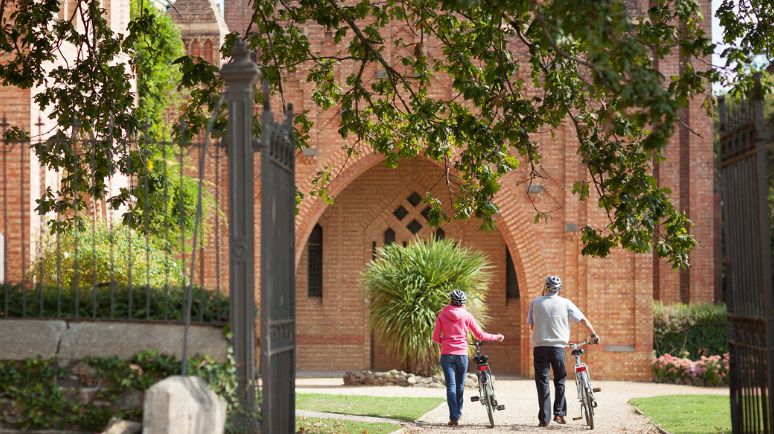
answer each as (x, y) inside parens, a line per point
(695, 329)
(147, 303)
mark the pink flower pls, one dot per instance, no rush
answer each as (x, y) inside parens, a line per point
(707, 371)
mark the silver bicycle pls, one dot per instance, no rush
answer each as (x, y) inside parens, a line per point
(583, 384)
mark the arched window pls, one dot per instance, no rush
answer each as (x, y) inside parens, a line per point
(207, 54)
(511, 284)
(315, 269)
(440, 234)
(389, 236)
(195, 49)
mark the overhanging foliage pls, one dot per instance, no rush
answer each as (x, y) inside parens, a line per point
(595, 64)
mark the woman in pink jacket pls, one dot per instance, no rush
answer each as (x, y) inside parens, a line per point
(451, 331)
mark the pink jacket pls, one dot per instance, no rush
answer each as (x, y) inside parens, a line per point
(451, 330)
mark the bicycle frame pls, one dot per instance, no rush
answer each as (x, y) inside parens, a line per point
(485, 384)
(482, 369)
(583, 384)
(582, 370)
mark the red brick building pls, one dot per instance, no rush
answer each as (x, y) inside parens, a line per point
(616, 293)
(375, 204)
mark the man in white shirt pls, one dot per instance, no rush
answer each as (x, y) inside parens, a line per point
(549, 318)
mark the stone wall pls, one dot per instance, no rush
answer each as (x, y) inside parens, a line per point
(75, 340)
(79, 354)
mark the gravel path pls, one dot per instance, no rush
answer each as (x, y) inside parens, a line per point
(613, 414)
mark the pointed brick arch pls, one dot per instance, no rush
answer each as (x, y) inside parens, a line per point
(207, 51)
(195, 48)
(366, 212)
(514, 224)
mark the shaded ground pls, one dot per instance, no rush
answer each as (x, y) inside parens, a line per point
(613, 415)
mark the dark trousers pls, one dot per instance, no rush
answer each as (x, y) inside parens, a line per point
(454, 369)
(546, 359)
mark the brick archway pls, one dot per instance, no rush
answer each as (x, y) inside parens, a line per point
(514, 227)
(511, 221)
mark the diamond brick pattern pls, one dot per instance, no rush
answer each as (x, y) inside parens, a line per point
(414, 199)
(400, 212)
(414, 226)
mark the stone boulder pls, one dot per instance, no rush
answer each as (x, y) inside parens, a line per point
(183, 405)
(118, 426)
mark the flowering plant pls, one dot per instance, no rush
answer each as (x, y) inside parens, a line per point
(707, 371)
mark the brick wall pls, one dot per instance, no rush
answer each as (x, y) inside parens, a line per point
(22, 178)
(701, 173)
(689, 171)
(15, 184)
(237, 14)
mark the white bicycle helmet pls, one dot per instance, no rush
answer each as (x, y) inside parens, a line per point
(553, 284)
(458, 297)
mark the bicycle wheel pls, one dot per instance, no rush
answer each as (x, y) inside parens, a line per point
(589, 407)
(489, 406)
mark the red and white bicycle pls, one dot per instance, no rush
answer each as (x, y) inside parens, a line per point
(583, 384)
(486, 391)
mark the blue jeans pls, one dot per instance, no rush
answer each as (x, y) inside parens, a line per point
(454, 369)
(547, 359)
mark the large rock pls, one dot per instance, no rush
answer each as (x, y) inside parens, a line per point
(118, 426)
(183, 405)
(23, 339)
(98, 339)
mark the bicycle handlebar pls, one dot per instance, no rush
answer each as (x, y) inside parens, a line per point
(580, 344)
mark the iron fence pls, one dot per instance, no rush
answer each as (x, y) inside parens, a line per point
(132, 262)
(139, 255)
(744, 142)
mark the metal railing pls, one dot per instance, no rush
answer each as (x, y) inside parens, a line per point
(139, 260)
(744, 141)
(129, 263)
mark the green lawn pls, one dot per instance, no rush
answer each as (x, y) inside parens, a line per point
(408, 409)
(311, 425)
(688, 414)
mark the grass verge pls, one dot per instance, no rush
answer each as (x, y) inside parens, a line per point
(312, 425)
(408, 409)
(688, 414)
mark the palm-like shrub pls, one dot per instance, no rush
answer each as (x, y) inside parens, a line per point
(407, 288)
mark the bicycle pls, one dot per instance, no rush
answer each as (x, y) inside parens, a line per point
(485, 384)
(583, 384)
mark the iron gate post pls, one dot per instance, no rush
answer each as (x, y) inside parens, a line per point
(278, 293)
(240, 76)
